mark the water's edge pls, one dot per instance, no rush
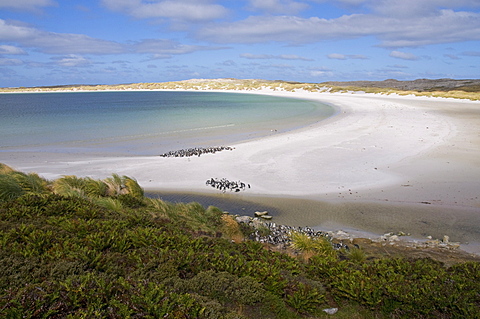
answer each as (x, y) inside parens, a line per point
(361, 219)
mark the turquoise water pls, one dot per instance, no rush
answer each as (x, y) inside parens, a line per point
(145, 123)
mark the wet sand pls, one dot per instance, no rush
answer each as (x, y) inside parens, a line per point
(358, 219)
(382, 163)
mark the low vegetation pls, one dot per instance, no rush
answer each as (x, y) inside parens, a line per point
(446, 88)
(454, 94)
(84, 248)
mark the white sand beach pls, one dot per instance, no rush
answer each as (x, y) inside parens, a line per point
(384, 149)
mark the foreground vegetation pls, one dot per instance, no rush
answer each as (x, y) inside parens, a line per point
(84, 248)
(470, 92)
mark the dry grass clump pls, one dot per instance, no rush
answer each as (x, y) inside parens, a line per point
(115, 185)
(115, 192)
(231, 228)
(5, 169)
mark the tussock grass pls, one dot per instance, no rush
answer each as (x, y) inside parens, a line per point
(126, 256)
(309, 247)
(356, 255)
(109, 203)
(14, 184)
(9, 188)
(30, 182)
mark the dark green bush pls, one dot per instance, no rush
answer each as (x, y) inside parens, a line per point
(99, 296)
(66, 256)
(130, 201)
(222, 286)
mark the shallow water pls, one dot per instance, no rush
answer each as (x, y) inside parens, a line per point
(144, 123)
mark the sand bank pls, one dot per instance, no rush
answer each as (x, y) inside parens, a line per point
(377, 149)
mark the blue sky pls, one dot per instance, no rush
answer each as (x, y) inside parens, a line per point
(53, 42)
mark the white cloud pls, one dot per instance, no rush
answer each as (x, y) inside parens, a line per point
(338, 56)
(445, 26)
(10, 49)
(451, 56)
(270, 56)
(404, 8)
(27, 5)
(56, 43)
(256, 29)
(471, 53)
(277, 6)
(228, 63)
(10, 62)
(403, 55)
(357, 57)
(353, 2)
(164, 49)
(416, 8)
(71, 60)
(293, 57)
(320, 72)
(398, 66)
(255, 56)
(187, 10)
(278, 66)
(59, 43)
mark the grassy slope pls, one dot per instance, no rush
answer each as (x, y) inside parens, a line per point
(83, 248)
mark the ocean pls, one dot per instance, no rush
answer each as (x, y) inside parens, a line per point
(143, 123)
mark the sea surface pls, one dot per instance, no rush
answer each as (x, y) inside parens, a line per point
(145, 122)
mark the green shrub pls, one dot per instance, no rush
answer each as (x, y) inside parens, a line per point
(131, 201)
(109, 203)
(42, 205)
(304, 298)
(66, 256)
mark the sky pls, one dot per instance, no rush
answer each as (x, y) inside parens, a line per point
(53, 42)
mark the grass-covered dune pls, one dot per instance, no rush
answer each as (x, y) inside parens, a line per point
(446, 88)
(84, 248)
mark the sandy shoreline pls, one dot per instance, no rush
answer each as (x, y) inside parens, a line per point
(379, 149)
